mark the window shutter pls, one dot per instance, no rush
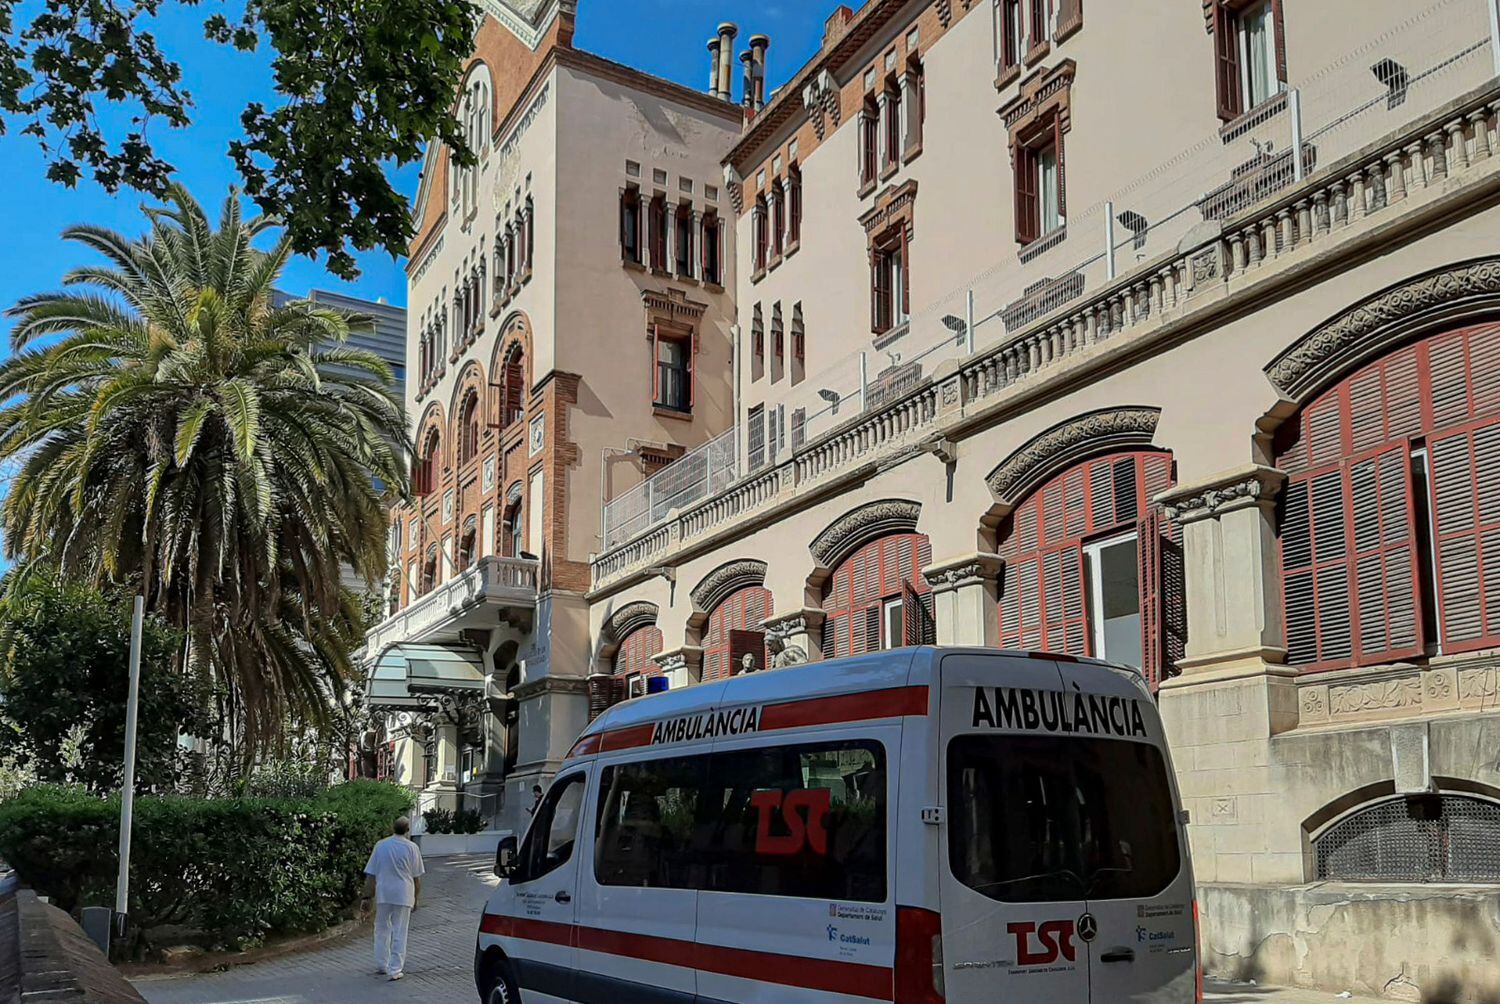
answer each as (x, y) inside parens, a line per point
(1227, 56)
(799, 427)
(756, 433)
(743, 644)
(870, 638)
(1027, 210)
(1466, 510)
(1148, 550)
(1315, 570)
(831, 628)
(875, 291)
(1386, 600)
(1062, 171)
(917, 621)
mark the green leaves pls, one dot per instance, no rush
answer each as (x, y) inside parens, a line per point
(173, 430)
(359, 86)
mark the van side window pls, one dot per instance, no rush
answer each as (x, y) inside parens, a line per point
(806, 820)
(554, 829)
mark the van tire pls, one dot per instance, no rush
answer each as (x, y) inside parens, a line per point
(501, 990)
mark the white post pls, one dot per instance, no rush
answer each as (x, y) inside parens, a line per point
(127, 795)
(1109, 239)
(1294, 112)
(863, 380)
(1494, 6)
(969, 321)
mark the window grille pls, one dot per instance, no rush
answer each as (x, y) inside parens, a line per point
(1422, 838)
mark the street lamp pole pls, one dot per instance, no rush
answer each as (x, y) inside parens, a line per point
(127, 795)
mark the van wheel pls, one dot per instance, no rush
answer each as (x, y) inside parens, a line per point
(501, 992)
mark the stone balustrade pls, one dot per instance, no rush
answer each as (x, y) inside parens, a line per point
(1241, 255)
(491, 580)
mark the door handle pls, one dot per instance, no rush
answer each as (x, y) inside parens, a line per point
(1118, 955)
(563, 897)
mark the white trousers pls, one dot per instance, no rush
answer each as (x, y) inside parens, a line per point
(391, 922)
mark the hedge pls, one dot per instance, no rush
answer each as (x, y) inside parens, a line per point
(234, 870)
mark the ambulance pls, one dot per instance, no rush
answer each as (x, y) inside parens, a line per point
(919, 825)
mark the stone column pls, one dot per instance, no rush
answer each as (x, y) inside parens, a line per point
(965, 594)
(910, 113)
(786, 212)
(682, 666)
(795, 637)
(669, 239)
(881, 128)
(443, 788)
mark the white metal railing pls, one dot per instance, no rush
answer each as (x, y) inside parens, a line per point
(491, 579)
(1142, 246)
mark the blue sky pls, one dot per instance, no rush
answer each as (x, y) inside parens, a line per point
(665, 37)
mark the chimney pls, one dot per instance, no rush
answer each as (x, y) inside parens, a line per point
(713, 66)
(758, 46)
(727, 31)
(747, 60)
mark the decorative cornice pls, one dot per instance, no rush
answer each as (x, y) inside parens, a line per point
(1067, 443)
(977, 568)
(687, 658)
(893, 203)
(1381, 322)
(628, 618)
(1041, 93)
(550, 684)
(849, 531)
(673, 304)
(1255, 486)
(727, 578)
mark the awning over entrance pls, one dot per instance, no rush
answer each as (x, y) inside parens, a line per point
(413, 676)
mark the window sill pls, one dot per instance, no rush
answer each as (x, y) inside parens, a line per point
(866, 187)
(892, 334)
(1036, 52)
(776, 259)
(758, 274)
(890, 169)
(498, 304)
(662, 411)
(1263, 112)
(793, 247)
(1043, 244)
(1068, 29)
(1007, 76)
(912, 152)
(712, 287)
(632, 264)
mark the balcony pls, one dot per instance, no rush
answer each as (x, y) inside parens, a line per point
(475, 598)
(1219, 232)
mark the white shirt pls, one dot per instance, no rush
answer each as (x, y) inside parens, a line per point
(395, 862)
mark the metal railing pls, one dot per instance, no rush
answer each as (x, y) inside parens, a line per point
(1227, 204)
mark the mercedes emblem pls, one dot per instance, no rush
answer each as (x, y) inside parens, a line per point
(1087, 927)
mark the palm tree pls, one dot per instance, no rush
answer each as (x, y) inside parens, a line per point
(175, 431)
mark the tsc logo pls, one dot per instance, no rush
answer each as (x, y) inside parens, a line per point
(1053, 940)
(804, 817)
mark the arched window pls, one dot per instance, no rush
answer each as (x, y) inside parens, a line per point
(513, 388)
(733, 633)
(877, 598)
(429, 570)
(428, 463)
(1417, 838)
(468, 427)
(468, 543)
(633, 662)
(1091, 569)
(513, 532)
(1390, 518)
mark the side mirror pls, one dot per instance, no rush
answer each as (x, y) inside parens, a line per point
(505, 857)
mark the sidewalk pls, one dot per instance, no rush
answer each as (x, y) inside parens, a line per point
(440, 961)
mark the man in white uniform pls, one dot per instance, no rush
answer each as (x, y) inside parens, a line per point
(394, 878)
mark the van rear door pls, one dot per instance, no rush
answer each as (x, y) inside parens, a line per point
(1010, 897)
(1140, 879)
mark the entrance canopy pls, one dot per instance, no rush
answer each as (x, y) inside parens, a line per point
(412, 676)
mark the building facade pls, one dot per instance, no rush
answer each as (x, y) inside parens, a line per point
(1170, 339)
(568, 326)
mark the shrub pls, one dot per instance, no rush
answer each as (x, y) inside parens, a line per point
(437, 820)
(236, 870)
(467, 821)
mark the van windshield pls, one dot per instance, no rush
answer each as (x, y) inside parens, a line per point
(1037, 819)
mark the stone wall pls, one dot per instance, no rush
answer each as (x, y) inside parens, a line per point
(1358, 937)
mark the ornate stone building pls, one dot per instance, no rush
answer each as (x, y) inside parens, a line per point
(551, 348)
(1168, 338)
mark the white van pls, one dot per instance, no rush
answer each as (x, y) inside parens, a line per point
(918, 825)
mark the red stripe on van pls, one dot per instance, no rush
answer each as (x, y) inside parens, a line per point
(829, 975)
(894, 702)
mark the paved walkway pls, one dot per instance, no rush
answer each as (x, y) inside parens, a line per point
(440, 961)
(439, 956)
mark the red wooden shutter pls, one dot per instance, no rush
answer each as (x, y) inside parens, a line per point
(1315, 570)
(1227, 56)
(1150, 583)
(1387, 603)
(747, 652)
(1027, 213)
(1466, 510)
(1062, 173)
(917, 623)
(905, 290)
